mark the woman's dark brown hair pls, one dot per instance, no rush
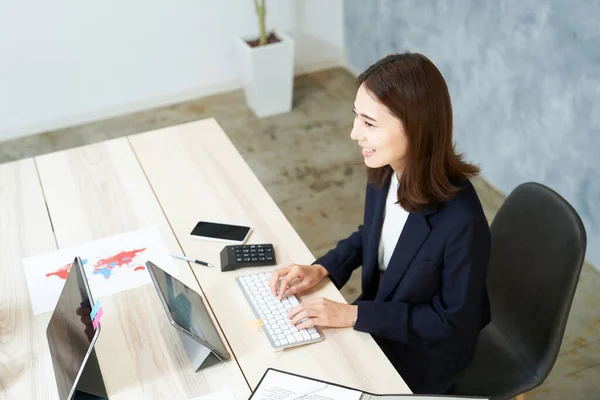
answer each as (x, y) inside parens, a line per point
(414, 91)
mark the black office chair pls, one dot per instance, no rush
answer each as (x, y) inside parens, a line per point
(538, 249)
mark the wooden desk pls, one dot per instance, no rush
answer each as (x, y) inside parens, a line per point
(169, 178)
(92, 192)
(198, 174)
(25, 230)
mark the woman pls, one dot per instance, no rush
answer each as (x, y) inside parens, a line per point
(425, 242)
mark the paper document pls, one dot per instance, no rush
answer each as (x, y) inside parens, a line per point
(112, 265)
(278, 386)
(416, 397)
(222, 395)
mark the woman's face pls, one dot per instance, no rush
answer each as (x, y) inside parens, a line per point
(379, 133)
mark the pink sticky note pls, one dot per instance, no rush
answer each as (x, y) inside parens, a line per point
(96, 320)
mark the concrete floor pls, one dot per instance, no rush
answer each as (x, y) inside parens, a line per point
(314, 172)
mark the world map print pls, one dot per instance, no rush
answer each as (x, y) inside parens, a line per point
(105, 266)
(112, 265)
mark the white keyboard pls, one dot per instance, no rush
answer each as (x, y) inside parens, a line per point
(277, 326)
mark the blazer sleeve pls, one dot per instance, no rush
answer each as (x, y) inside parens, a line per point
(344, 258)
(454, 310)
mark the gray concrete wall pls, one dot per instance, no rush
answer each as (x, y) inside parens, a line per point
(524, 77)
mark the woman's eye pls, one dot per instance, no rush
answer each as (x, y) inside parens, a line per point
(368, 124)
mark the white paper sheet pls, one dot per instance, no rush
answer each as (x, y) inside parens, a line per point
(278, 386)
(222, 395)
(112, 265)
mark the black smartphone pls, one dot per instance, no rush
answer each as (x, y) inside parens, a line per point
(227, 233)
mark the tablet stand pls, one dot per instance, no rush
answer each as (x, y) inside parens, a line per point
(200, 356)
(90, 384)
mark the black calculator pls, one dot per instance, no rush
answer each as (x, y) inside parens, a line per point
(247, 255)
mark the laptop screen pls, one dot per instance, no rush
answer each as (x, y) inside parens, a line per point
(186, 308)
(70, 332)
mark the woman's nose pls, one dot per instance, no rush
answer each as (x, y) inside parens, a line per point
(355, 133)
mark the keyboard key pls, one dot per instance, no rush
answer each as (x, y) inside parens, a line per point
(291, 339)
(305, 334)
(294, 301)
(315, 335)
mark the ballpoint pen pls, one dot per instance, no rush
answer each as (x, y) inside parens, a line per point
(191, 260)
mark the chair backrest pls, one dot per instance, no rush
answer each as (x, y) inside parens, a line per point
(538, 249)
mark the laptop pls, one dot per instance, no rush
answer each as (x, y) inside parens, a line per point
(187, 313)
(71, 339)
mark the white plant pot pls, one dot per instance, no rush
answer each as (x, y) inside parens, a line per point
(268, 75)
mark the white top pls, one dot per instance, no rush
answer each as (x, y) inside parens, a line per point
(394, 218)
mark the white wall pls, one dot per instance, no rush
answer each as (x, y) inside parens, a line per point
(66, 62)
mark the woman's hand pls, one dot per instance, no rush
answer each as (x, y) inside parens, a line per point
(325, 313)
(308, 276)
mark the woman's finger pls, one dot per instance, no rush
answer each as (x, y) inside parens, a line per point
(298, 317)
(275, 275)
(297, 288)
(286, 281)
(309, 323)
(293, 311)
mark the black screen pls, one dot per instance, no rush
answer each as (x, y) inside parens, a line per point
(220, 231)
(70, 332)
(187, 309)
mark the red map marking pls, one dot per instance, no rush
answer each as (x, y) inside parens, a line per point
(62, 272)
(139, 268)
(119, 260)
(106, 265)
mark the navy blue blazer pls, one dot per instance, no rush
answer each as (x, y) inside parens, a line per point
(432, 302)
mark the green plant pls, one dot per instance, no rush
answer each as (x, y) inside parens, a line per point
(261, 11)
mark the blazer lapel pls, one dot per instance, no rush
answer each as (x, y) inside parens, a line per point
(371, 265)
(414, 233)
